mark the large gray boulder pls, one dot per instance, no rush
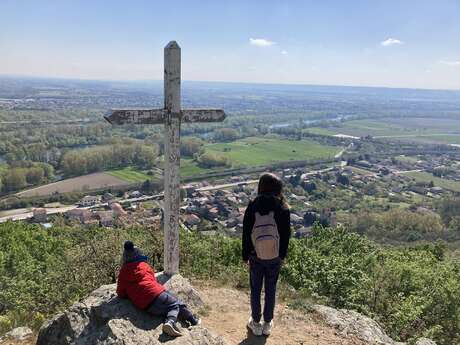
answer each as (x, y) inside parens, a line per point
(352, 323)
(103, 319)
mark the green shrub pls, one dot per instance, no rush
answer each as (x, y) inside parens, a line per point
(412, 291)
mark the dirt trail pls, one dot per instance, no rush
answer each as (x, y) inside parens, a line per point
(227, 313)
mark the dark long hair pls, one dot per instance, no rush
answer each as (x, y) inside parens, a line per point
(271, 184)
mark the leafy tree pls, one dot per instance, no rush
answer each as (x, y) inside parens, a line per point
(14, 179)
(226, 134)
(309, 186)
(146, 186)
(146, 156)
(48, 171)
(190, 146)
(309, 218)
(399, 225)
(296, 178)
(108, 157)
(448, 208)
(212, 159)
(343, 179)
(35, 175)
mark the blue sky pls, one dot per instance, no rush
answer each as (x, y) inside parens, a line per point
(404, 43)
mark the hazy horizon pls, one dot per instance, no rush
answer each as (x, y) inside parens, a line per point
(160, 81)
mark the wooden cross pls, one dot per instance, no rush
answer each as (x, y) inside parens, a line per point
(172, 116)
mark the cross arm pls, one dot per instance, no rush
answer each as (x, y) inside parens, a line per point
(203, 115)
(135, 116)
(157, 116)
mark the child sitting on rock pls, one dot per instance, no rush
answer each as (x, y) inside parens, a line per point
(137, 281)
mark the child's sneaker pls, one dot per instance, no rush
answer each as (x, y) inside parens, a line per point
(194, 321)
(255, 327)
(267, 328)
(169, 328)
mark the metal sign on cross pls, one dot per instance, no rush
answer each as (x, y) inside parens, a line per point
(171, 115)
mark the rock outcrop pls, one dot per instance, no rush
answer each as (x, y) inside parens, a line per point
(103, 319)
(349, 322)
(18, 334)
(352, 323)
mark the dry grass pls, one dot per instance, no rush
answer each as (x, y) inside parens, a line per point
(76, 184)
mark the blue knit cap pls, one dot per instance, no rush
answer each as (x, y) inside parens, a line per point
(132, 253)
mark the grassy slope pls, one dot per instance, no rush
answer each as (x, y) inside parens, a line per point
(426, 130)
(189, 168)
(407, 159)
(320, 131)
(245, 152)
(438, 138)
(439, 182)
(259, 151)
(130, 174)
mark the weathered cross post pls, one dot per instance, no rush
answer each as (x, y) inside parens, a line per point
(172, 116)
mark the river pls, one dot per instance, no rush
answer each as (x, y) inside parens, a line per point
(311, 122)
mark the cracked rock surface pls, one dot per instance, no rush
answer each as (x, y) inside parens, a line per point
(103, 318)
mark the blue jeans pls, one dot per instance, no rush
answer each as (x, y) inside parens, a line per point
(263, 271)
(166, 304)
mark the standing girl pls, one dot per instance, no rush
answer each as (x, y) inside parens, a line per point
(266, 233)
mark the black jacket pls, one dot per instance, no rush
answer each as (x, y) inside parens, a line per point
(263, 204)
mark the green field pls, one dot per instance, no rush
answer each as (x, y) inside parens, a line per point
(361, 171)
(423, 130)
(438, 182)
(361, 128)
(319, 130)
(190, 168)
(259, 151)
(245, 152)
(130, 175)
(3, 168)
(407, 159)
(438, 138)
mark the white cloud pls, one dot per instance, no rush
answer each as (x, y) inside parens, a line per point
(450, 63)
(391, 42)
(261, 42)
(283, 52)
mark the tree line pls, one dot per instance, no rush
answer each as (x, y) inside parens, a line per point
(22, 174)
(80, 162)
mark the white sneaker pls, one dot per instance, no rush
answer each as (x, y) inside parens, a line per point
(267, 327)
(255, 327)
(170, 328)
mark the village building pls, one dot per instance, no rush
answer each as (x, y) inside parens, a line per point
(107, 197)
(135, 194)
(118, 210)
(81, 215)
(105, 218)
(191, 220)
(89, 200)
(436, 190)
(39, 215)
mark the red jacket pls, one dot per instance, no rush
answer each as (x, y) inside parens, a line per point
(137, 281)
